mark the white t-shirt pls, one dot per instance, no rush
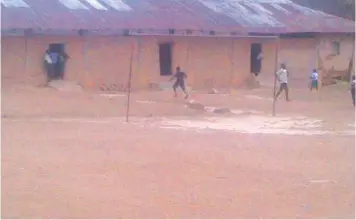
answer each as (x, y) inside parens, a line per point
(47, 58)
(314, 76)
(282, 75)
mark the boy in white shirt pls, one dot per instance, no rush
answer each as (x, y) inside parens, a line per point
(282, 77)
(314, 80)
(49, 65)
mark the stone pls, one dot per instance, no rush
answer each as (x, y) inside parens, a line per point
(212, 91)
(195, 106)
(222, 110)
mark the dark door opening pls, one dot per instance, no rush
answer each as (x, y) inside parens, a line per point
(58, 57)
(165, 59)
(256, 58)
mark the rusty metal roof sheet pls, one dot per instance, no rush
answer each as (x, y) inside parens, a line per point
(242, 16)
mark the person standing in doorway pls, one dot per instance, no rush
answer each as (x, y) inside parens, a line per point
(314, 80)
(259, 64)
(256, 68)
(63, 57)
(55, 58)
(353, 82)
(48, 65)
(180, 77)
(282, 77)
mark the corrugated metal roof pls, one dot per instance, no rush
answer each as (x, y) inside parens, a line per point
(242, 16)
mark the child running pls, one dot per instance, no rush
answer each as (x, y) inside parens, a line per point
(314, 80)
(180, 77)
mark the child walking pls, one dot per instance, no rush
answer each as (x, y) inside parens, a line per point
(282, 77)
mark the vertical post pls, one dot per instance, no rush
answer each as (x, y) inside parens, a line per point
(187, 63)
(129, 85)
(85, 57)
(192, 74)
(320, 78)
(352, 67)
(138, 63)
(83, 34)
(232, 53)
(27, 36)
(26, 55)
(275, 76)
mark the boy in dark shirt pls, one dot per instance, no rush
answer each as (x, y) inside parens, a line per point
(180, 77)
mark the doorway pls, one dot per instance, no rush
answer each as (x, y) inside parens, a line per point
(256, 58)
(165, 59)
(59, 58)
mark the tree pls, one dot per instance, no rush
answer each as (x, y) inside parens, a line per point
(350, 8)
(341, 8)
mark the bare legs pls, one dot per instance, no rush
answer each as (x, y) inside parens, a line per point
(284, 86)
(182, 86)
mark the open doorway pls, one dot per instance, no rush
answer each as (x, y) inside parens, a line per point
(165, 59)
(58, 58)
(256, 58)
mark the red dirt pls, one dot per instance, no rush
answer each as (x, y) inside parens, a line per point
(109, 169)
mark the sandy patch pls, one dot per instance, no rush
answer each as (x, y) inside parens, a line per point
(146, 102)
(245, 122)
(257, 124)
(112, 95)
(256, 97)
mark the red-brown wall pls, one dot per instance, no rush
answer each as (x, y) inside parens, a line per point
(209, 62)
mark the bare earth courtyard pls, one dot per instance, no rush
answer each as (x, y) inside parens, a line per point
(71, 155)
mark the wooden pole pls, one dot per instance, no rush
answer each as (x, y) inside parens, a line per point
(86, 63)
(319, 69)
(26, 55)
(352, 65)
(27, 36)
(192, 78)
(232, 60)
(141, 77)
(275, 76)
(187, 66)
(129, 86)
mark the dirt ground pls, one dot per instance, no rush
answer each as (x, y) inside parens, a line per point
(71, 155)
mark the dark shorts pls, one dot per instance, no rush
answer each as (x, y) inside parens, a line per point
(314, 83)
(50, 70)
(179, 84)
(283, 86)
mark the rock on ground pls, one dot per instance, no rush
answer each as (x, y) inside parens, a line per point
(212, 91)
(221, 110)
(196, 106)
